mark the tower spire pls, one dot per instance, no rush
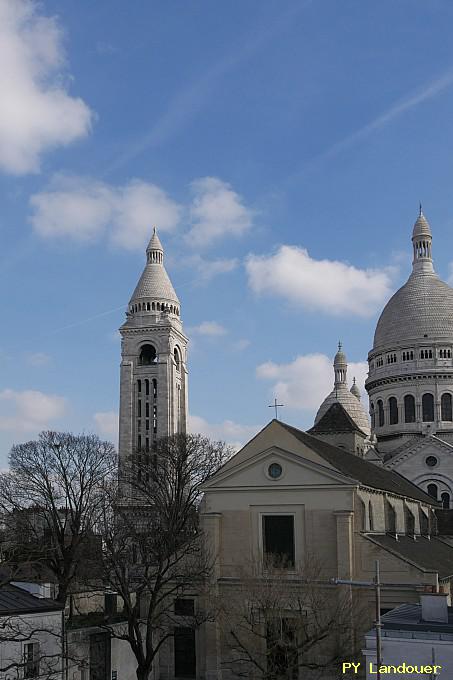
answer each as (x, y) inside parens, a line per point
(422, 244)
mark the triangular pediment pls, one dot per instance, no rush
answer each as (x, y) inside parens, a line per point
(421, 447)
(296, 471)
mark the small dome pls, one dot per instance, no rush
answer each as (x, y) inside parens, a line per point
(340, 357)
(350, 403)
(421, 226)
(355, 390)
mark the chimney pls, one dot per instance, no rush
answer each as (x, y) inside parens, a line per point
(434, 607)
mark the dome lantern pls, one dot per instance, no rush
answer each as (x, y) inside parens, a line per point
(422, 244)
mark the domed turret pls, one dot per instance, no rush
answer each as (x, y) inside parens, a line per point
(355, 390)
(342, 395)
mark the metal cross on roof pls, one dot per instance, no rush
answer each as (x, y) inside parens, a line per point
(276, 406)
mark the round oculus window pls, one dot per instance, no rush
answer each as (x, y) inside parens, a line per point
(275, 470)
(431, 461)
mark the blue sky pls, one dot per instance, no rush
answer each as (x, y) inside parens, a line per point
(281, 148)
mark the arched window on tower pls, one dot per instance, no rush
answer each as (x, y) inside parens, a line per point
(393, 411)
(445, 498)
(409, 408)
(446, 407)
(432, 490)
(427, 408)
(380, 407)
(373, 415)
(177, 358)
(148, 355)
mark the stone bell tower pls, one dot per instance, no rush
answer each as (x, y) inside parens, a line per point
(153, 382)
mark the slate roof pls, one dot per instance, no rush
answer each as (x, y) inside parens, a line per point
(336, 419)
(409, 617)
(426, 554)
(364, 472)
(14, 600)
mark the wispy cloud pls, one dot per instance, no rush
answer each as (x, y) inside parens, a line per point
(408, 102)
(190, 100)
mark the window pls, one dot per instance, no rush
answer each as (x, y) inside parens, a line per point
(432, 490)
(370, 516)
(393, 411)
(431, 461)
(410, 522)
(445, 498)
(409, 408)
(31, 660)
(184, 606)
(390, 518)
(139, 408)
(278, 540)
(148, 355)
(154, 388)
(185, 654)
(274, 470)
(446, 407)
(139, 385)
(177, 359)
(372, 414)
(380, 407)
(281, 644)
(427, 408)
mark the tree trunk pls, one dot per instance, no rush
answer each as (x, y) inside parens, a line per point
(143, 673)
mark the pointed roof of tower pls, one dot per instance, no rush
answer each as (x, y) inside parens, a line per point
(154, 282)
(154, 242)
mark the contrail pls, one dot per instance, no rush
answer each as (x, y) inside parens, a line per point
(90, 318)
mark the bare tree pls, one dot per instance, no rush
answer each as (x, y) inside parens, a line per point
(51, 500)
(153, 548)
(277, 626)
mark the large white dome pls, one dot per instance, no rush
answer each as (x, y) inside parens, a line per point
(422, 308)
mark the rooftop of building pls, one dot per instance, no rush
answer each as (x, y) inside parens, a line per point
(14, 600)
(357, 468)
(427, 554)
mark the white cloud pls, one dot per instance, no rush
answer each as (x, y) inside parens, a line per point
(84, 209)
(304, 383)
(208, 269)
(38, 359)
(30, 410)
(209, 328)
(330, 286)
(234, 434)
(37, 113)
(217, 211)
(107, 424)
